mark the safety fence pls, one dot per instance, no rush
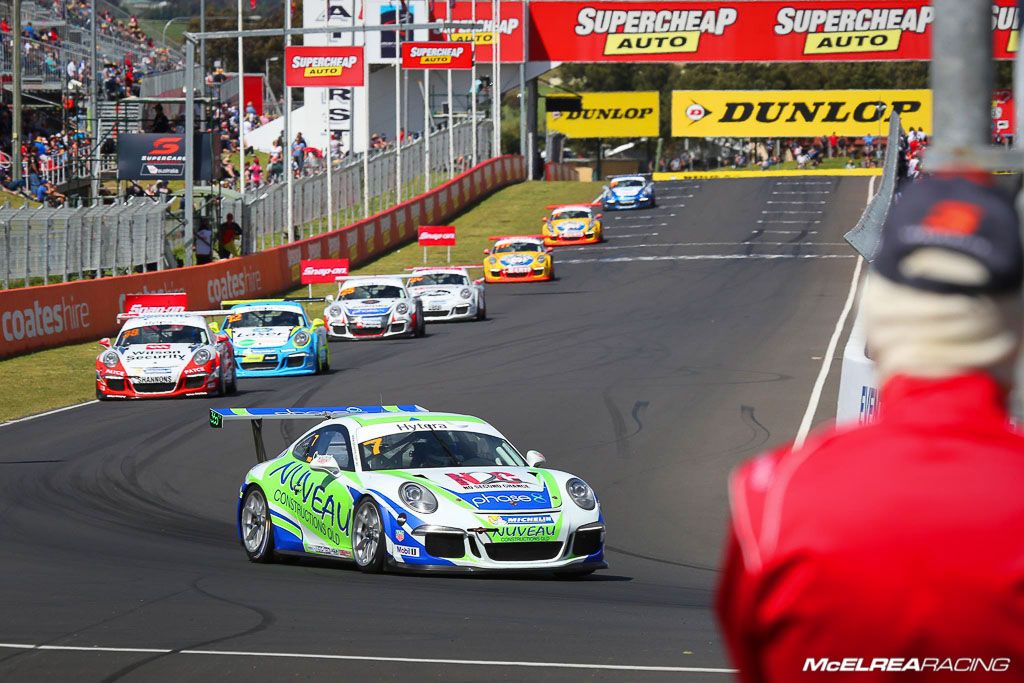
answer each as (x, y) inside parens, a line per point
(43, 242)
(35, 318)
(858, 383)
(557, 171)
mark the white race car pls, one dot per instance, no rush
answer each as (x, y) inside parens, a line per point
(404, 488)
(374, 307)
(163, 355)
(448, 294)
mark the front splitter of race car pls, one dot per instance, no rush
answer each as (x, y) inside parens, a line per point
(276, 362)
(534, 275)
(449, 311)
(351, 330)
(571, 241)
(626, 204)
(121, 386)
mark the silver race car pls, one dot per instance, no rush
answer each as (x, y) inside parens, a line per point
(448, 294)
(374, 307)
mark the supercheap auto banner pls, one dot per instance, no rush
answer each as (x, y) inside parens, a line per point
(323, 66)
(796, 113)
(33, 318)
(610, 115)
(741, 31)
(510, 25)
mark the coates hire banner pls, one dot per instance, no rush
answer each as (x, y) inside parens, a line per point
(509, 26)
(323, 66)
(797, 113)
(323, 270)
(436, 235)
(610, 115)
(159, 156)
(437, 56)
(769, 31)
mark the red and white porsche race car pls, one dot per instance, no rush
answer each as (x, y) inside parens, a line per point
(164, 355)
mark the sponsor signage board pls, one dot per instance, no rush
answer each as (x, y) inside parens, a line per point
(1002, 112)
(323, 270)
(437, 55)
(436, 235)
(509, 27)
(161, 156)
(610, 115)
(160, 302)
(768, 31)
(797, 113)
(324, 66)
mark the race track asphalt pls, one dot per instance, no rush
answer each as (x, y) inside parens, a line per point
(655, 363)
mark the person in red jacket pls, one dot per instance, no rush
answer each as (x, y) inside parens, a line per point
(871, 551)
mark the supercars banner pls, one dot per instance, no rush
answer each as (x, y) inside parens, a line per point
(762, 31)
(161, 156)
(797, 113)
(610, 115)
(509, 27)
(323, 66)
(437, 55)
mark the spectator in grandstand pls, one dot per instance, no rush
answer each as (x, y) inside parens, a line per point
(298, 154)
(888, 539)
(255, 173)
(204, 242)
(228, 235)
(275, 168)
(833, 145)
(161, 124)
(5, 26)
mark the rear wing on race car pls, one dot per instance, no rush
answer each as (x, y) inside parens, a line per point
(121, 317)
(419, 270)
(495, 238)
(279, 300)
(255, 416)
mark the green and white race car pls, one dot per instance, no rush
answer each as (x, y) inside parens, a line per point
(402, 487)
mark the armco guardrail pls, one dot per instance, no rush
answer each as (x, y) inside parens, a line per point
(51, 315)
(554, 170)
(858, 384)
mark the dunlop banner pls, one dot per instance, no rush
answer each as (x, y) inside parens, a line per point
(796, 113)
(610, 115)
(762, 31)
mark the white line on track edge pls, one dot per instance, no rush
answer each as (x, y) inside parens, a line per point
(48, 412)
(366, 658)
(833, 342)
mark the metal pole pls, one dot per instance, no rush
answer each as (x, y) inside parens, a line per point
(202, 41)
(16, 93)
(451, 114)
(286, 148)
(241, 117)
(366, 127)
(496, 52)
(426, 130)
(522, 110)
(398, 108)
(472, 87)
(190, 126)
(962, 73)
(330, 184)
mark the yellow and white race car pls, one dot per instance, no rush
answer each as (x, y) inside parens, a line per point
(572, 224)
(518, 258)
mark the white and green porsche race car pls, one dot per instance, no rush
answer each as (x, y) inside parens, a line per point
(401, 487)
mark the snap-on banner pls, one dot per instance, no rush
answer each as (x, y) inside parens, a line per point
(768, 31)
(509, 25)
(34, 318)
(437, 55)
(323, 66)
(797, 113)
(610, 115)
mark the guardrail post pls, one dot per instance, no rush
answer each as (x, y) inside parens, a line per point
(7, 254)
(46, 248)
(67, 249)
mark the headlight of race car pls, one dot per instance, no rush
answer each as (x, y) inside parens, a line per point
(581, 493)
(301, 338)
(202, 357)
(465, 294)
(402, 309)
(110, 358)
(334, 312)
(541, 258)
(418, 498)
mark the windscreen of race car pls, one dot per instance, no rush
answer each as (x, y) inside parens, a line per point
(428, 448)
(438, 279)
(163, 334)
(360, 292)
(511, 247)
(265, 319)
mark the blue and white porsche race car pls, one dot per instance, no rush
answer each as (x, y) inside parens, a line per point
(275, 338)
(401, 487)
(628, 192)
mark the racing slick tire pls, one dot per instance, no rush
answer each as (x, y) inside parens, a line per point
(421, 323)
(327, 359)
(221, 389)
(318, 365)
(232, 387)
(481, 309)
(368, 540)
(100, 396)
(256, 527)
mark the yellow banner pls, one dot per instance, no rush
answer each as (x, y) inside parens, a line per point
(796, 113)
(610, 115)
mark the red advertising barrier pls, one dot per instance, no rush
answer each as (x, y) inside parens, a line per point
(322, 270)
(557, 171)
(437, 235)
(36, 318)
(510, 25)
(437, 55)
(768, 31)
(323, 66)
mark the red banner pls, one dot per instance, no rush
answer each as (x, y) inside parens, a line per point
(323, 67)
(162, 302)
(321, 270)
(437, 55)
(437, 235)
(1002, 113)
(509, 27)
(768, 31)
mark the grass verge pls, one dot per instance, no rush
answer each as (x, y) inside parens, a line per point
(63, 376)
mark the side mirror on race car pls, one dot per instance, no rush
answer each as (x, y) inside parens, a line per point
(324, 463)
(329, 299)
(318, 322)
(214, 327)
(598, 215)
(534, 458)
(105, 342)
(479, 281)
(222, 338)
(549, 250)
(487, 252)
